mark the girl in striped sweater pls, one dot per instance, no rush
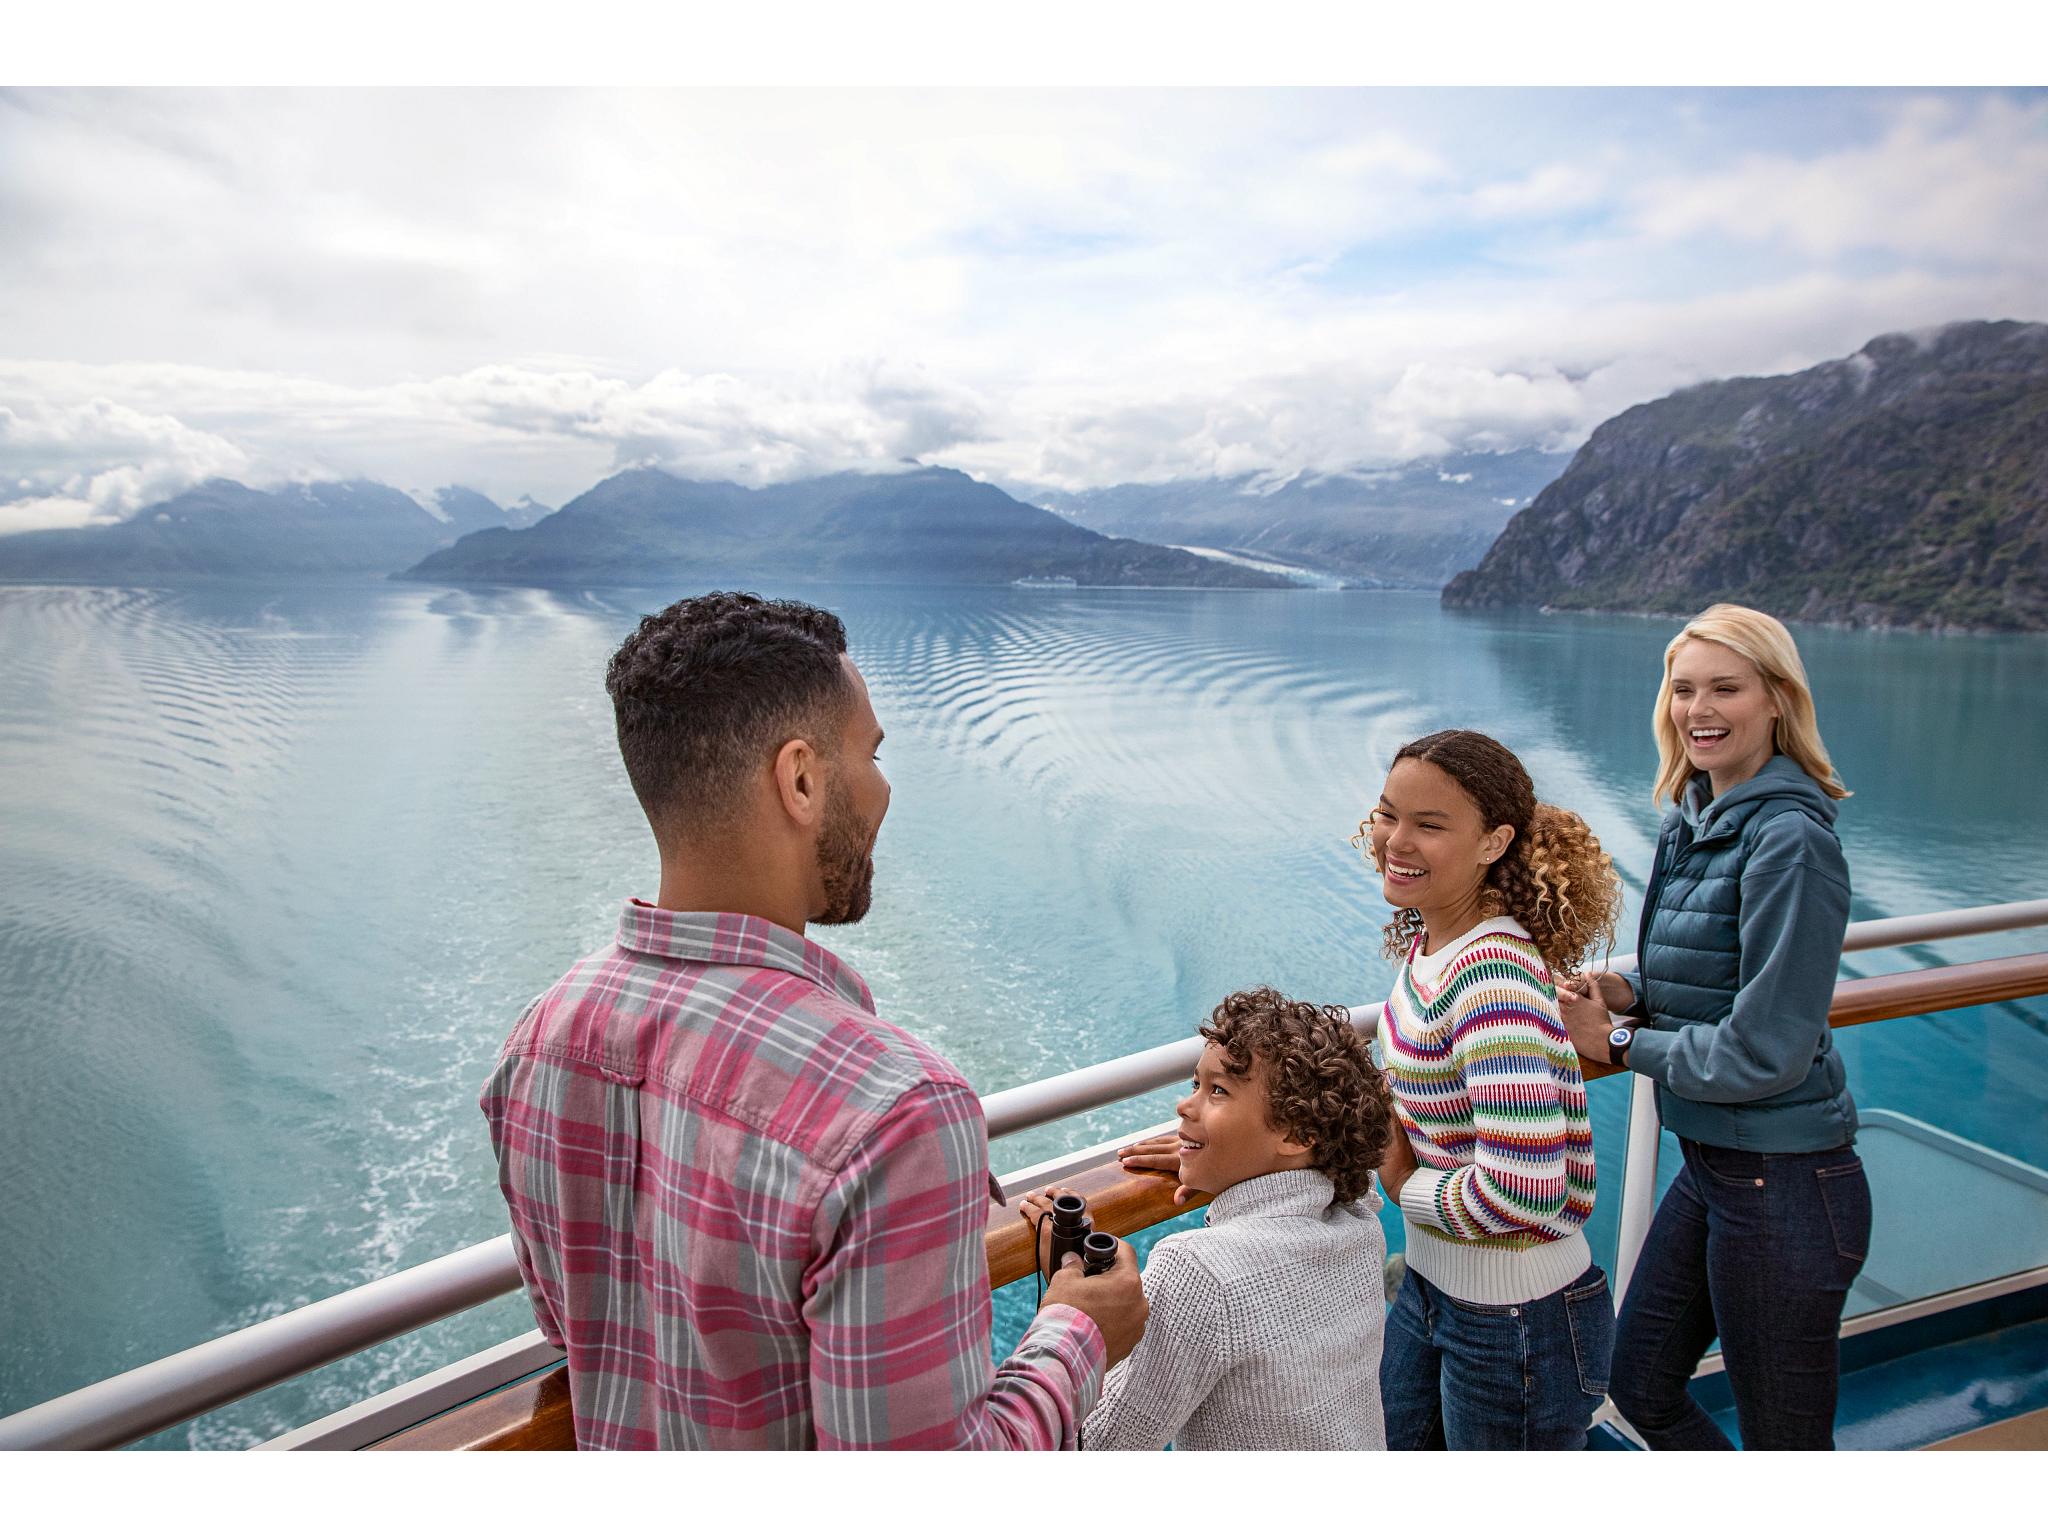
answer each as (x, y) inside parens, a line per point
(1500, 1335)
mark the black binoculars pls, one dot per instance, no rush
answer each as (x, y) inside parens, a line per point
(1073, 1232)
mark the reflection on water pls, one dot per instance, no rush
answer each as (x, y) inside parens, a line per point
(279, 866)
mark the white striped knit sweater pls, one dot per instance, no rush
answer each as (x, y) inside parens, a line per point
(1265, 1329)
(1487, 1086)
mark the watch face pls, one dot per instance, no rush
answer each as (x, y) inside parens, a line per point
(1621, 1037)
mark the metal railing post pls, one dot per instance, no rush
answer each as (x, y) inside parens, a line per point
(1638, 1181)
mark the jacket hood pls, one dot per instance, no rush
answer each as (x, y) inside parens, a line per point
(1780, 779)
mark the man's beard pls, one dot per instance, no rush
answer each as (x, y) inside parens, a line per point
(845, 864)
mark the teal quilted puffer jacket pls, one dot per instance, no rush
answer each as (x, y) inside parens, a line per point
(1741, 938)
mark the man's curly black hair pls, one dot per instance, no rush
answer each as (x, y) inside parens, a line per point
(706, 690)
(1322, 1088)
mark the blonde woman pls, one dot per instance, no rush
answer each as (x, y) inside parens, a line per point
(1766, 1226)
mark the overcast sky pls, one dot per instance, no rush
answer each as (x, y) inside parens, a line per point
(522, 291)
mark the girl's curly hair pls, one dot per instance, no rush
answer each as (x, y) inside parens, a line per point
(1555, 879)
(1322, 1088)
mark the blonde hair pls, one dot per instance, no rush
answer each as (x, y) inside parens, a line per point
(1766, 645)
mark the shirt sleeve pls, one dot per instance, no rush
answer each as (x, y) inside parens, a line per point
(1636, 1008)
(1795, 910)
(543, 1309)
(1149, 1397)
(1504, 1055)
(897, 1301)
(517, 1128)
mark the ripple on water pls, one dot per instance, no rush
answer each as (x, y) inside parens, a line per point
(278, 870)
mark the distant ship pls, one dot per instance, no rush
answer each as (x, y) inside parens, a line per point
(1045, 581)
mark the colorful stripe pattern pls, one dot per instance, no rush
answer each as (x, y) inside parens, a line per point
(1487, 1086)
(751, 1212)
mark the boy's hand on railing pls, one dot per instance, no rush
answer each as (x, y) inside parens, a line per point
(1159, 1154)
(1114, 1299)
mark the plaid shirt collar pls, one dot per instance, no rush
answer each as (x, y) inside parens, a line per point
(738, 938)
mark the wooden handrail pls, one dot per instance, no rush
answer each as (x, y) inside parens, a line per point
(1118, 1202)
(534, 1415)
(1124, 1203)
(1938, 989)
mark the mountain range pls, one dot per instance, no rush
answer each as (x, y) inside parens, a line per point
(223, 528)
(1413, 525)
(1904, 485)
(921, 523)
(1409, 526)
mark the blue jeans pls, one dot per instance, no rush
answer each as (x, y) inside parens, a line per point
(1759, 1249)
(1461, 1376)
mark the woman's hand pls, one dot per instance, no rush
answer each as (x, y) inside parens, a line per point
(1160, 1154)
(1587, 1021)
(1603, 986)
(1396, 1163)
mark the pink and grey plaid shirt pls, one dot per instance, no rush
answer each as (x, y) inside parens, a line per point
(752, 1213)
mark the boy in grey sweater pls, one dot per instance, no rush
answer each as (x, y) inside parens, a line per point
(1266, 1323)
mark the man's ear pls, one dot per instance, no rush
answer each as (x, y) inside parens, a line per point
(800, 782)
(1289, 1147)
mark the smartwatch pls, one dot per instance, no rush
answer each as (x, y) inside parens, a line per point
(1617, 1045)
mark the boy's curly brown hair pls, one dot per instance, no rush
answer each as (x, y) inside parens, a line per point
(1322, 1088)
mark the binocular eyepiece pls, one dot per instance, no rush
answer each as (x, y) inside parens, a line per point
(1074, 1232)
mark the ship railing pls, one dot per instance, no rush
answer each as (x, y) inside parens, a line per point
(167, 1392)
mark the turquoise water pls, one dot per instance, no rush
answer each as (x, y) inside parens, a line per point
(279, 867)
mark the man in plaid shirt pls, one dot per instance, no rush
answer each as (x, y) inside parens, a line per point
(750, 1211)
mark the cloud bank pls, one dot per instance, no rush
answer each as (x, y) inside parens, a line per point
(67, 465)
(524, 291)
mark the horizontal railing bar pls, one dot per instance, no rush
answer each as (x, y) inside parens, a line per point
(165, 1392)
(1055, 1169)
(1124, 1203)
(1120, 1202)
(1938, 989)
(1902, 994)
(197, 1380)
(404, 1406)
(1957, 923)
(1030, 1105)
(535, 1413)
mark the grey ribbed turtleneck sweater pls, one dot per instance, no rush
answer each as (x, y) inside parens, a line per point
(1265, 1329)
